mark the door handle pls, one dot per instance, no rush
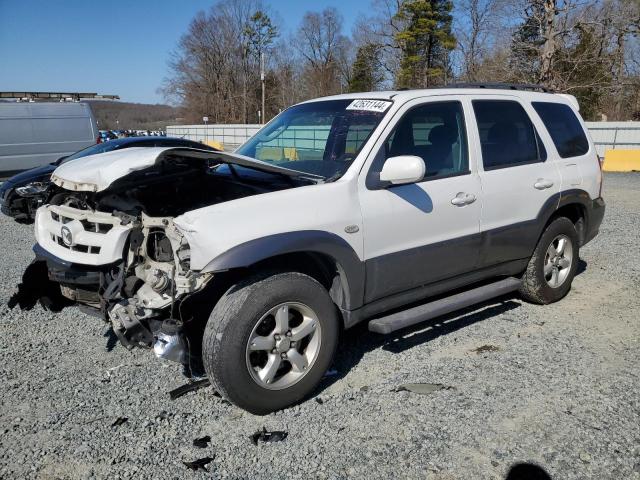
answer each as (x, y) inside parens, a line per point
(543, 183)
(462, 199)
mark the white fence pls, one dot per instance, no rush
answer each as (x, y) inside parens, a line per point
(615, 135)
(230, 135)
(606, 135)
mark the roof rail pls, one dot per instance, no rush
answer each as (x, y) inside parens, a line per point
(75, 96)
(501, 86)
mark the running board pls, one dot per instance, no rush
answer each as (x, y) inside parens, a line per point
(430, 310)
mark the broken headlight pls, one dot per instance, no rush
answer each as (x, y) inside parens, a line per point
(32, 189)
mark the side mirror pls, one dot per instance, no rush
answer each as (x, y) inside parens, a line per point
(403, 169)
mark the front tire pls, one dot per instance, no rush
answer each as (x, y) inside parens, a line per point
(269, 340)
(553, 264)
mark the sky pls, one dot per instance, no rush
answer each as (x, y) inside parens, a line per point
(114, 47)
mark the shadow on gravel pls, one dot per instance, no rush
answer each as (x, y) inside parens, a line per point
(582, 266)
(112, 339)
(527, 471)
(37, 288)
(358, 340)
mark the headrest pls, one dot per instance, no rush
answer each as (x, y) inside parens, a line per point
(443, 135)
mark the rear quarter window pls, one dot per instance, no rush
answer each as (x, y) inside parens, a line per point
(564, 128)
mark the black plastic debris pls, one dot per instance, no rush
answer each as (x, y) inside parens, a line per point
(188, 387)
(319, 400)
(199, 464)
(119, 421)
(268, 437)
(422, 388)
(202, 442)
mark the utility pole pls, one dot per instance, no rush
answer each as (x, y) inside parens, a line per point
(262, 84)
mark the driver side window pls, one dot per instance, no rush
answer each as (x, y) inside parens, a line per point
(436, 133)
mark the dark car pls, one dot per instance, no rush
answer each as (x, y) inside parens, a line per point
(23, 193)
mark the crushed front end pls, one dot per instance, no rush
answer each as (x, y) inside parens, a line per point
(133, 271)
(108, 242)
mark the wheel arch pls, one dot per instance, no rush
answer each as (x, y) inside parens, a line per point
(322, 255)
(573, 204)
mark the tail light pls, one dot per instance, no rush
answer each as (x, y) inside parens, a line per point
(601, 176)
(98, 139)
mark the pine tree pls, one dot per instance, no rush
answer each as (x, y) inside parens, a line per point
(425, 42)
(365, 72)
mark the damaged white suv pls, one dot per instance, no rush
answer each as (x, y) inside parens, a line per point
(342, 209)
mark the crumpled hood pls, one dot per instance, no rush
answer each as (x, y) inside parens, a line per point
(96, 173)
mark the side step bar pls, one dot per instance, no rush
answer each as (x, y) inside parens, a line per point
(430, 310)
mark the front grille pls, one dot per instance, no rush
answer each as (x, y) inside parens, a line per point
(88, 225)
(96, 226)
(85, 232)
(76, 248)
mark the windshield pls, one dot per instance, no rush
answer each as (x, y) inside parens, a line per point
(320, 138)
(94, 149)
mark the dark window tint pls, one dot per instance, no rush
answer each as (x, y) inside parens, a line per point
(435, 132)
(565, 129)
(507, 136)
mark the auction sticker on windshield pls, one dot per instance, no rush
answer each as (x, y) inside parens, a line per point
(369, 105)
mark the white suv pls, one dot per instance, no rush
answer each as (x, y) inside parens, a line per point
(340, 210)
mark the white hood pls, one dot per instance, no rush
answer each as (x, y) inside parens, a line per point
(96, 173)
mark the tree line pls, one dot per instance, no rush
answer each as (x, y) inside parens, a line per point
(588, 48)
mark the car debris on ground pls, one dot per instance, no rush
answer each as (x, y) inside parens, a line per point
(199, 464)
(202, 442)
(268, 437)
(188, 387)
(119, 421)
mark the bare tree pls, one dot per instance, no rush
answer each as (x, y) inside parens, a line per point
(214, 68)
(479, 24)
(590, 48)
(322, 46)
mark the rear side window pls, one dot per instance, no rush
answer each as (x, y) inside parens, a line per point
(565, 129)
(507, 136)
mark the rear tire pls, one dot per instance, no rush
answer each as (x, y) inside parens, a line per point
(269, 340)
(553, 264)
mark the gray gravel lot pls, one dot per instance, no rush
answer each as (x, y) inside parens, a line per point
(561, 390)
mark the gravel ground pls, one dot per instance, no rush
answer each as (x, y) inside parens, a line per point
(561, 389)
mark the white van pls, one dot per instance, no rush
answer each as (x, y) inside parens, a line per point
(34, 134)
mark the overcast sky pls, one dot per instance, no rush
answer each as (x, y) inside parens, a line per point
(114, 47)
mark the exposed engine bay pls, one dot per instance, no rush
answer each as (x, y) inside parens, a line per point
(118, 254)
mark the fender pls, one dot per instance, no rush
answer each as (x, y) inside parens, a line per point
(593, 209)
(350, 267)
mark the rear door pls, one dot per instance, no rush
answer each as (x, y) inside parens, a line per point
(517, 179)
(574, 154)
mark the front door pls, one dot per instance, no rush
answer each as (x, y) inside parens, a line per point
(428, 231)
